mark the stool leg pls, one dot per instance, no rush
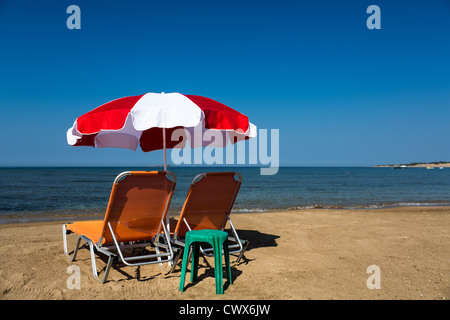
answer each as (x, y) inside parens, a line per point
(184, 266)
(194, 264)
(218, 266)
(227, 261)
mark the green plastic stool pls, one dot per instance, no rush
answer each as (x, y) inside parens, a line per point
(217, 239)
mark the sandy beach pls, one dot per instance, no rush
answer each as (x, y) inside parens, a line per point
(293, 255)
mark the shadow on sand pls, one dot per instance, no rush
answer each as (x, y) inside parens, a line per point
(256, 240)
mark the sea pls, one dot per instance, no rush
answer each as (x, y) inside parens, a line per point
(71, 193)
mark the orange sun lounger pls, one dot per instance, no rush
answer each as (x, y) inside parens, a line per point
(208, 205)
(135, 218)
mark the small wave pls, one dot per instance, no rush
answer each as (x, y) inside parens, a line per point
(248, 210)
(426, 204)
(350, 207)
(98, 213)
(50, 215)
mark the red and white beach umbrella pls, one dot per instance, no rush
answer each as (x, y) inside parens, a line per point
(149, 121)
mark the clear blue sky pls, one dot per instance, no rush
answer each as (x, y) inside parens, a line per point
(340, 94)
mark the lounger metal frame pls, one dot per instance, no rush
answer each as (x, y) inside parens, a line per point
(114, 250)
(238, 245)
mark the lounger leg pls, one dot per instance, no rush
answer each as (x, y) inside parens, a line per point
(227, 261)
(243, 244)
(74, 255)
(168, 247)
(111, 259)
(108, 267)
(93, 263)
(175, 260)
(243, 250)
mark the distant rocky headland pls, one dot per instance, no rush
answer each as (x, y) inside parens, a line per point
(437, 164)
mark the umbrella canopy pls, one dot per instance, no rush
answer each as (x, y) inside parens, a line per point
(147, 120)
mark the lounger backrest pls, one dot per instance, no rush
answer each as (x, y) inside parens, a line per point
(139, 200)
(209, 201)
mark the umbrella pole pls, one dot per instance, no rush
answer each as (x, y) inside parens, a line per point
(165, 169)
(164, 147)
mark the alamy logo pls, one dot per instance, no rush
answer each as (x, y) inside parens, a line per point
(217, 151)
(374, 280)
(74, 280)
(374, 20)
(74, 20)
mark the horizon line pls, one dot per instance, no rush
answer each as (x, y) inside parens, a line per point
(183, 166)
